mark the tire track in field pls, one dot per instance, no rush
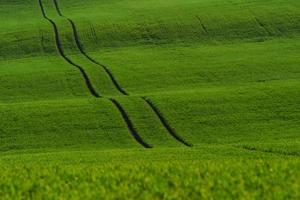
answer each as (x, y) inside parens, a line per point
(62, 54)
(165, 123)
(81, 49)
(88, 82)
(130, 124)
(155, 110)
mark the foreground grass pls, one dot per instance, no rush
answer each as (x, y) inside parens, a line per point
(218, 179)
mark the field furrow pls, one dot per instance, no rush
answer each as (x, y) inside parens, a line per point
(61, 52)
(81, 49)
(117, 85)
(130, 124)
(165, 123)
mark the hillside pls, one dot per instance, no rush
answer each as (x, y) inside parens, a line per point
(147, 80)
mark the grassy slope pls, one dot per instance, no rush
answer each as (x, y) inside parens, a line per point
(224, 74)
(243, 57)
(126, 23)
(234, 101)
(42, 97)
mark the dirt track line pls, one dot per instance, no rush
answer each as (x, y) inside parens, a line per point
(120, 89)
(165, 123)
(130, 126)
(57, 8)
(93, 92)
(62, 54)
(81, 49)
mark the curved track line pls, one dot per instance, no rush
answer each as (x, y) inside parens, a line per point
(130, 126)
(165, 123)
(120, 89)
(93, 92)
(81, 49)
(61, 52)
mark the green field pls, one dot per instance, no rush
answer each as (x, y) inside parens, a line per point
(149, 99)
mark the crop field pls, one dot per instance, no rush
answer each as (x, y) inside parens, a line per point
(149, 99)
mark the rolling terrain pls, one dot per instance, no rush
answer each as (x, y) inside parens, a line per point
(89, 87)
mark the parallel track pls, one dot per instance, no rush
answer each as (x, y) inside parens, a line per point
(88, 82)
(130, 126)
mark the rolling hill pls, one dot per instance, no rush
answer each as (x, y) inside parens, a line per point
(145, 83)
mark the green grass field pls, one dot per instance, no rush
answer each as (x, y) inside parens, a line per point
(150, 99)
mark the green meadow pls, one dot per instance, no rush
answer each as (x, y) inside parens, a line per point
(149, 99)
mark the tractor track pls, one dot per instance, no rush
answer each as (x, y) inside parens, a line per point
(125, 116)
(81, 49)
(165, 123)
(62, 54)
(88, 82)
(130, 124)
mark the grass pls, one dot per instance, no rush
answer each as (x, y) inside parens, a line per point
(218, 65)
(220, 75)
(229, 179)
